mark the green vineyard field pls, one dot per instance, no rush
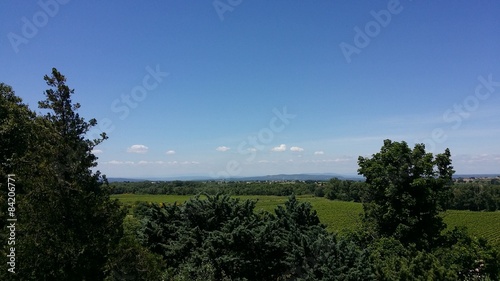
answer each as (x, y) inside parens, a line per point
(340, 216)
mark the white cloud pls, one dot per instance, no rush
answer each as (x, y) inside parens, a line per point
(137, 148)
(345, 159)
(319, 152)
(222, 148)
(142, 162)
(296, 149)
(252, 149)
(330, 160)
(97, 151)
(170, 152)
(280, 148)
(177, 163)
(150, 163)
(115, 162)
(477, 158)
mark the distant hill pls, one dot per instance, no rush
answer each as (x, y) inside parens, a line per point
(476, 176)
(280, 177)
(124, 179)
(294, 177)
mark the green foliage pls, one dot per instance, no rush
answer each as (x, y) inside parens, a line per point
(344, 217)
(475, 196)
(216, 187)
(223, 237)
(130, 260)
(296, 214)
(312, 253)
(408, 190)
(302, 228)
(470, 257)
(337, 258)
(67, 224)
(346, 190)
(220, 233)
(394, 261)
(16, 123)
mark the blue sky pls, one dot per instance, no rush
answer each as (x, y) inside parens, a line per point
(241, 88)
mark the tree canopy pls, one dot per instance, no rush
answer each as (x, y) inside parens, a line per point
(67, 223)
(408, 189)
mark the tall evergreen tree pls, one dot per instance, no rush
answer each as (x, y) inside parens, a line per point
(67, 221)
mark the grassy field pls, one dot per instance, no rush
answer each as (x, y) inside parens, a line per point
(342, 216)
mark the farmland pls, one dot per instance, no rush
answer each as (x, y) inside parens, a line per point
(342, 216)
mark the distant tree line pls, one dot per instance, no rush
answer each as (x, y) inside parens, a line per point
(481, 196)
(215, 187)
(476, 196)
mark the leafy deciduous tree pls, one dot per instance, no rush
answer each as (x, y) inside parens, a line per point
(408, 190)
